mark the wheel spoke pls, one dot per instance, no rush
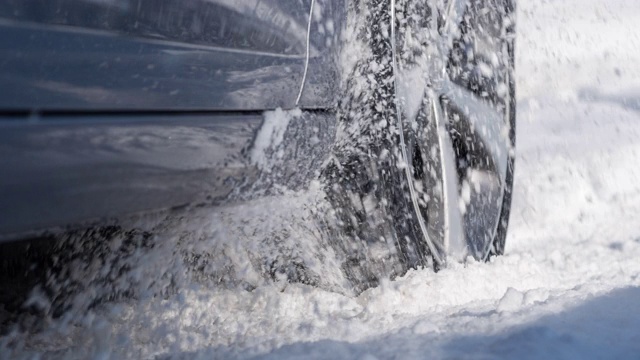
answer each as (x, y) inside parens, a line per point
(483, 156)
(481, 123)
(454, 240)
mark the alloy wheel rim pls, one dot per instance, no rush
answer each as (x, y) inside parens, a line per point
(454, 144)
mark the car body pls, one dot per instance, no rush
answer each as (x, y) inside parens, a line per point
(113, 108)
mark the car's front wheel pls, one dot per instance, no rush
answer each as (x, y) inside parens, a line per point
(422, 171)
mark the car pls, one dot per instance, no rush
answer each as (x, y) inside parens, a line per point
(115, 108)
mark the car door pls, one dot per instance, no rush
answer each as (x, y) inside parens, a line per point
(152, 55)
(115, 107)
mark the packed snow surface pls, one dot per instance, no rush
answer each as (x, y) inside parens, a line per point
(567, 288)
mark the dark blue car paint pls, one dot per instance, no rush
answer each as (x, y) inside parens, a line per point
(135, 55)
(115, 107)
(62, 170)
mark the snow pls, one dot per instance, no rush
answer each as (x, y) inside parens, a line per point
(567, 288)
(271, 135)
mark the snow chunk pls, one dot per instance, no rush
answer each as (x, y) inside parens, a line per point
(511, 301)
(271, 135)
(536, 296)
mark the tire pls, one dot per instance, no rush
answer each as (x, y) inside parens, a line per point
(422, 180)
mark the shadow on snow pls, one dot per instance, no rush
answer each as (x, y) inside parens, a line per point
(605, 327)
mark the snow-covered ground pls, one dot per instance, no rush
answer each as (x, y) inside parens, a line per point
(568, 287)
